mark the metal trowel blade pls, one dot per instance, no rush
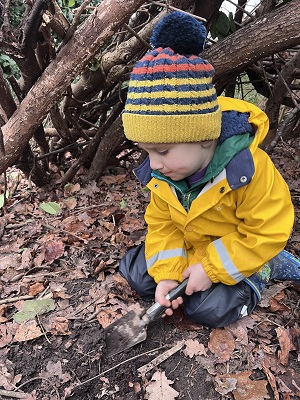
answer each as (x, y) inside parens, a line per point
(124, 333)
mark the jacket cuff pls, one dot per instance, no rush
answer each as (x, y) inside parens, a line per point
(208, 269)
(167, 276)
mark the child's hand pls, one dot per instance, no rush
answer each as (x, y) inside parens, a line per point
(162, 289)
(198, 279)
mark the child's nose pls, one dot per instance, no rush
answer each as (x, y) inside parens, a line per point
(155, 163)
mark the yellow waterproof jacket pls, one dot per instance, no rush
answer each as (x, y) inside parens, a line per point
(238, 222)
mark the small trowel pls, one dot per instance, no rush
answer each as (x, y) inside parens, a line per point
(131, 329)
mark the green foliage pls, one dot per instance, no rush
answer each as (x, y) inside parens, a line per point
(245, 90)
(222, 26)
(16, 12)
(122, 204)
(50, 207)
(32, 308)
(9, 67)
(68, 7)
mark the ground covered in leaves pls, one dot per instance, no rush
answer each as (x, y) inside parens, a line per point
(59, 287)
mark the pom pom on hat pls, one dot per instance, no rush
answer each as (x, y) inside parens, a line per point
(171, 97)
(181, 32)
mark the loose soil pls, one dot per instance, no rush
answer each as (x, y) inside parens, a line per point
(72, 258)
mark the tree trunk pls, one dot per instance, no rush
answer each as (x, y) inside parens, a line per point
(269, 34)
(265, 36)
(70, 61)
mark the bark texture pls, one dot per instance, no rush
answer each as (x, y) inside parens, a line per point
(73, 57)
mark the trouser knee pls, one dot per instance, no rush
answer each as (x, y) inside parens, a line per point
(220, 305)
(134, 269)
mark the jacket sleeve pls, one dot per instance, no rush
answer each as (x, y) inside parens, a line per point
(166, 253)
(265, 213)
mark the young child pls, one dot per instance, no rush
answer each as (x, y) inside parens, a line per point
(220, 213)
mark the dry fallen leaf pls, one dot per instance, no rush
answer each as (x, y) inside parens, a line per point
(193, 347)
(54, 250)
(271, 380)
(248, 389)
(36, 288)
(286, 344)
(106, 318)
(239, 330)
(289, 382)
(224, 384)
(242, 387)
(221, 344)
(27, 331)
(159, 388)
(8, 380)
(3, 308)
(270, 292)
(276, 303)
(60, 326)
(7, 332)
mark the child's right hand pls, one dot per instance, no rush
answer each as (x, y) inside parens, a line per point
(162, 289)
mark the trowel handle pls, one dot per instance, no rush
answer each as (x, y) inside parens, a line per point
(157, 310)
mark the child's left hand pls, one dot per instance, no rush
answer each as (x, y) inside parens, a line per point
(198, 279)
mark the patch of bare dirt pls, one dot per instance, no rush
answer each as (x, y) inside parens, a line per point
(59, 289)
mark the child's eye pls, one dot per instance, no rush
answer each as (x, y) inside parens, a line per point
(163, 152)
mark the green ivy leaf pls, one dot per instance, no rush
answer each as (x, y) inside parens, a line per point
(122, 204)
(32, 308)
(213, 29)
(223, 24)
(232, 23)
(50, 207)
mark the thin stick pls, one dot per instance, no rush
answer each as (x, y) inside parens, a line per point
(45, 379)
(177, 9)
(10, 393)
(158, 360)
(145, 43)
(14, 299)
(121, 363)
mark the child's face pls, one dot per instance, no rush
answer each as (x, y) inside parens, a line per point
(179, 160)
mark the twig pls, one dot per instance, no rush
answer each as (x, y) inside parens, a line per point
(64, 231)
(242, 9)
(137, 36)
(41, 377)
(157, 3)
(158, 360)
(118, 365)
(43, 329)
(10, 393)
(288, 120)
(63, 149)
(14, 299)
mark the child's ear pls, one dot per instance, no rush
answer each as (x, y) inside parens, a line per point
(207, 143)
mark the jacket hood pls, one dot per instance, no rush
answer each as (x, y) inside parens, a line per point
(244, 126)
(256, 117)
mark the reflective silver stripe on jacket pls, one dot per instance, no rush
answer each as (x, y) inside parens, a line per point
(163, 255)
(229, 266)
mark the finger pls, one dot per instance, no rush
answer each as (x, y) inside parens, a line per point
(189, 291)
(163, 301)
(176, 303)
(169, 312)
(180, 300)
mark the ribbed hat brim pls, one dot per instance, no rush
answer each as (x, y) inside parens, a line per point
(172, 128)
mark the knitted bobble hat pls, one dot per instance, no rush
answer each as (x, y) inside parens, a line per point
(171, 98)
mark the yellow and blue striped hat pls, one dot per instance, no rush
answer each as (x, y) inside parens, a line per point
(171, 97)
